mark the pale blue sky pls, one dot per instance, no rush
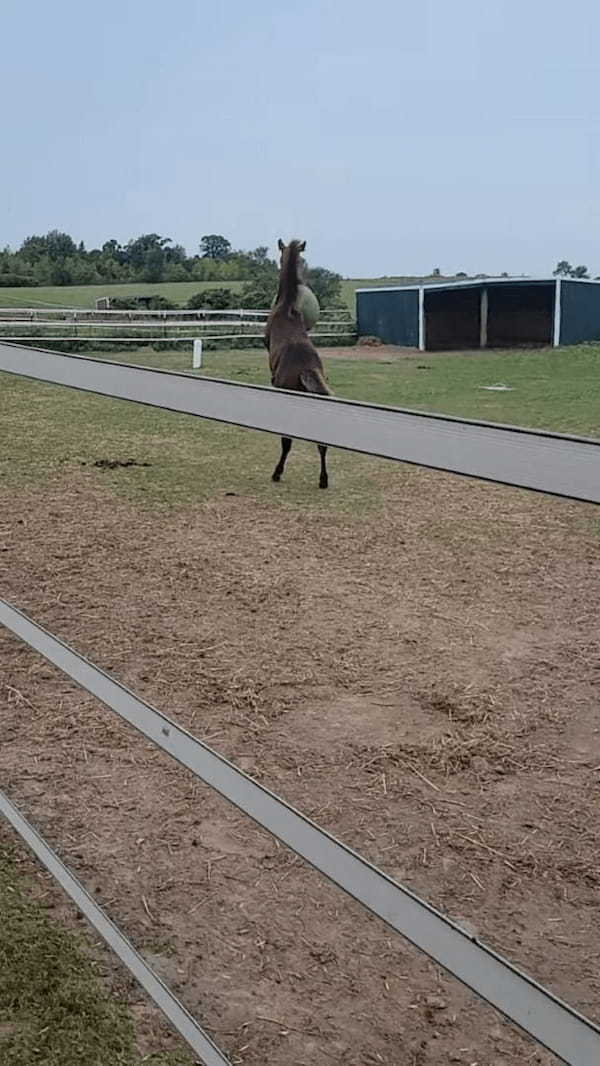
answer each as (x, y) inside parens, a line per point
(393, 136)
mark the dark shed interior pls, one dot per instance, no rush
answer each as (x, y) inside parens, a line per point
(517, 315)
(452, 318)
(520, 315)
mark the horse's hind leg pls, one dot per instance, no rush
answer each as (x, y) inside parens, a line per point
(286, 444)
(323, 480)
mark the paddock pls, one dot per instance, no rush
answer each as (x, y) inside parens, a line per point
(416, 672)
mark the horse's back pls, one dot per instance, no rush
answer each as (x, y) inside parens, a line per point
(291, 350)
(290, 361)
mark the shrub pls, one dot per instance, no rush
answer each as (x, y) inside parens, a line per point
(141, 303)
(212, 299)
(14, 280)
(326, 285)
(158, 303)
(258, 295)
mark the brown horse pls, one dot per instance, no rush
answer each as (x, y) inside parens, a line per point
(294, 361)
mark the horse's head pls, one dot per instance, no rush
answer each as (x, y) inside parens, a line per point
(294, 249)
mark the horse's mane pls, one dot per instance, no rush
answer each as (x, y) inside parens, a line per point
(289, 278)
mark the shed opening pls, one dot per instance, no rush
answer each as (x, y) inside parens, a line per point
(493, 316)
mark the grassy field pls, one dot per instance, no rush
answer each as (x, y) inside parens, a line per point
(179, 292)
(350, 285)
(86, 295)
(191, 459)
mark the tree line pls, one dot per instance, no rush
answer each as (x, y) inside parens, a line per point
(56, 259)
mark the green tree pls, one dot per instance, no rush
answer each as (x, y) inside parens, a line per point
(60, 245)
(60, 273)
(175, 253)
(214, 246)
(108, 268)
(137, 250)
(260, 255)
(326, 285)
(113, 250)
(42, 269)
(176, 272)
(55, 258)
(259, 293)
(33, 249)
(563, 269)
(154, 264)
(580, 272)
(82, 271)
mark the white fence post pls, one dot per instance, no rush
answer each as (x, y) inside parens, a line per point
(197, 354)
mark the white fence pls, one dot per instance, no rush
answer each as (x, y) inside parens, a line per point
(567, 466)
(33, 326)
(88, 314)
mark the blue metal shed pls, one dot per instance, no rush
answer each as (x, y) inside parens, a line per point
(486, 313)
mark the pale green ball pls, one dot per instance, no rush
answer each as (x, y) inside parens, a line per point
(308, 305)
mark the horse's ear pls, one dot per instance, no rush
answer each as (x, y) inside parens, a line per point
(302, 246)
(281, 245)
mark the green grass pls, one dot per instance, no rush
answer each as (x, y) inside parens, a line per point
(49, 430)
(552, 389)
(55, 1009)
(177, 291)
(86, 295)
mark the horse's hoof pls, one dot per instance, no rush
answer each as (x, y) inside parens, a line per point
(276, 477)
(323, 484)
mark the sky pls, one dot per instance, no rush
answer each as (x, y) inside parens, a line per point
(394, 137)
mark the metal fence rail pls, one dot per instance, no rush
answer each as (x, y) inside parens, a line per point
(544, 462)
(538, 1012)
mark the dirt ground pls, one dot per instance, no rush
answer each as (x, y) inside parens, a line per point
(423, 682)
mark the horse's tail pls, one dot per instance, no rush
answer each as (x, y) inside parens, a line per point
(313, 381)
(289, 279)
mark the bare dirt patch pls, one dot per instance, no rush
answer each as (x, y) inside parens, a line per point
(424, 683)
(117, 464)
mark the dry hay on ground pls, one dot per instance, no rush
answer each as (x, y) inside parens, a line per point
(422, 682)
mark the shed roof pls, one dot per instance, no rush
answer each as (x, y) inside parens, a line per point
(477, 283)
